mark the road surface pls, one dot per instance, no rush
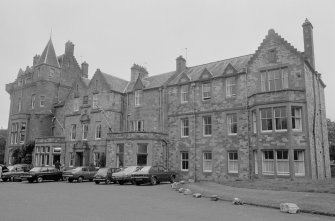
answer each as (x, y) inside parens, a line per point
(90, 202)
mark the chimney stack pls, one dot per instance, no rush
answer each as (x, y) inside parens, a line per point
(180, 64)
(35, 59)
(84, 69)
(138, 71)
(308, 42)
(69, 48)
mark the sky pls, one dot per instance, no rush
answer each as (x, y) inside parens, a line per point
(113, 35)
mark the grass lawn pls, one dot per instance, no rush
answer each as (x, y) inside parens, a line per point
(298, 185)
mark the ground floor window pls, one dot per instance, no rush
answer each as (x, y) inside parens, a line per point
(71, 157)
(299, 162)
(283, 167)
(96, 159)
(268, 162)
(142, 154)
(42, 156)
(232, 162)
(207, 161)
(184, 161)
(120, 155)
(256, 161)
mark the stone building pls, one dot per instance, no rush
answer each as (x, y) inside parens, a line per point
(257, 115)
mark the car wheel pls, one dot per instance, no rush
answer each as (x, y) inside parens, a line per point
(4, 179)
(120, 182)
(108, 181)
(80, 179)
(39, 179)
(96, 182)
(153, 180)
(136, 183)
(12, 179)
(30, 180)
(172, 178)
(69, 180)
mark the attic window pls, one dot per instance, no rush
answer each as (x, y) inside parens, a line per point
(85, 100)
(96, 84)
(272, 56)
(138, 94)
(51, 73)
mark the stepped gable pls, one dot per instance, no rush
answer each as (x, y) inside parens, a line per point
(273, 34)
(49, 56)
(216, 68)
(114, 83)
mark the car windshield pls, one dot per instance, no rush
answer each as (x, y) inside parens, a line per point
(77, 169)
(11, 168)
(146, 169)
(102, 171)
(36, 169)
(131, 169)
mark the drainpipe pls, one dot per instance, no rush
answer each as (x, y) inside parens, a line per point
(250, 130)
(194, 131)
(314, 119)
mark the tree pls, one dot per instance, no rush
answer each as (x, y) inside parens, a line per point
(23, 154)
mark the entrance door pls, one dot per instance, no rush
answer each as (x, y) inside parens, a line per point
(79, 159)
(56, 157)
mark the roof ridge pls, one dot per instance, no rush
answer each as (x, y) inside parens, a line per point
(220, 60)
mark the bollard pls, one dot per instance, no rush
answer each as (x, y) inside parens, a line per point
(197, 195)
(289, 208)
(214, 197)
(187, 192)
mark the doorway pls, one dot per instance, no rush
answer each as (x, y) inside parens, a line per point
(79, 159)
(56, 157)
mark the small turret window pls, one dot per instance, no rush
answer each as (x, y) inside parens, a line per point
(51, 73)
(42, 101)
(138, 94)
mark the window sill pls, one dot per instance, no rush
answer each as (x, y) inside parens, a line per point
(207, 172)
(232, 134)
(207, 135)
(206, 100)
(184, 171)
(281, 131)
(183, 137)
(231, 97)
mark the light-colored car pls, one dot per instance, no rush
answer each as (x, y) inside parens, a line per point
(124, 175)
(80, 174)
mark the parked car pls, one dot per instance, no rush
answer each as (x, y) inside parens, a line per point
(16, 171)
(80, 174)
(124, 175)
(153, 175)
(42, 173)
(4, 168)
(105, 175)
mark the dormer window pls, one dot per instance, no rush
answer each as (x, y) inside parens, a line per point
(51, 73)
(20, 105)
(231, 87)
(206, 91)
(95, 101)
(38, 73)
(76, 104)
(184, 94)
(138, 94)
(96, 85)
(42, 101)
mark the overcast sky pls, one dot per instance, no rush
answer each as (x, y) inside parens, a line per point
(112, 35)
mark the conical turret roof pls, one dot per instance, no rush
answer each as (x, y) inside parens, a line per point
(49, 56)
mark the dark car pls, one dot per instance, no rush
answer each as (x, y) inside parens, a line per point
(4, 168)
(153, 175)
(15, 172)
(124, 175)
(40, 174)
(80, 174)
(105, 175)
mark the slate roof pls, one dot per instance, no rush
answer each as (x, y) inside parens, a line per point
(216, 68)
(49, 56)
(153, 81)
(115, 83)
